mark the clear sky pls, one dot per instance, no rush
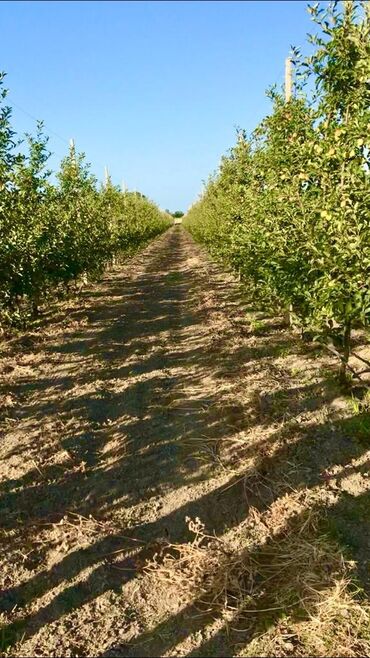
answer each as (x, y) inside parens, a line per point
(154, 90)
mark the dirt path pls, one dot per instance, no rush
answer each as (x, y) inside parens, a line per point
(100, 426)
(138, 410)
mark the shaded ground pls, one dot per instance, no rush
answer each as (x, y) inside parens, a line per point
(160, 396)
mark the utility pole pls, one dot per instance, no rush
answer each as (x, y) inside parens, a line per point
(288, 79)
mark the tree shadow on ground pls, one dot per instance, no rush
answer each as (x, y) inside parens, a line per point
(284, 579)
(126, 399)
(321, 459)
(103, 431)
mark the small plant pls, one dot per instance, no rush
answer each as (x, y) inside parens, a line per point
(256, 326)
(360, 406)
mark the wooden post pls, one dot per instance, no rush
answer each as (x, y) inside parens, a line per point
(106, 176)
(288, 79)
(288, 96)
(72, 150)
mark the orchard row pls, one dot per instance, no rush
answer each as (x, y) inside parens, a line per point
(52, 235)
(289, 208)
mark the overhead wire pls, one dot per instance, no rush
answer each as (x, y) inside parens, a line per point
(49, 130)
(36, 119)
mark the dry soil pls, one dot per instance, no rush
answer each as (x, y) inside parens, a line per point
(156, 397)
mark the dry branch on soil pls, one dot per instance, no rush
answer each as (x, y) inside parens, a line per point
(299, 575)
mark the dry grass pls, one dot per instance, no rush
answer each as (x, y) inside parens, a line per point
(293, 593)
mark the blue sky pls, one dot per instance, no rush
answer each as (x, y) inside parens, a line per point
(154, 90)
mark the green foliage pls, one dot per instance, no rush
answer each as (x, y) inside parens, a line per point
(289, 208)
(51, 235)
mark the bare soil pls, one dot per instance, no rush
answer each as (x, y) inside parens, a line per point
(157, 397)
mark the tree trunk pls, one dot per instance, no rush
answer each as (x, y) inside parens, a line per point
(346, 352)
(288, 318)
